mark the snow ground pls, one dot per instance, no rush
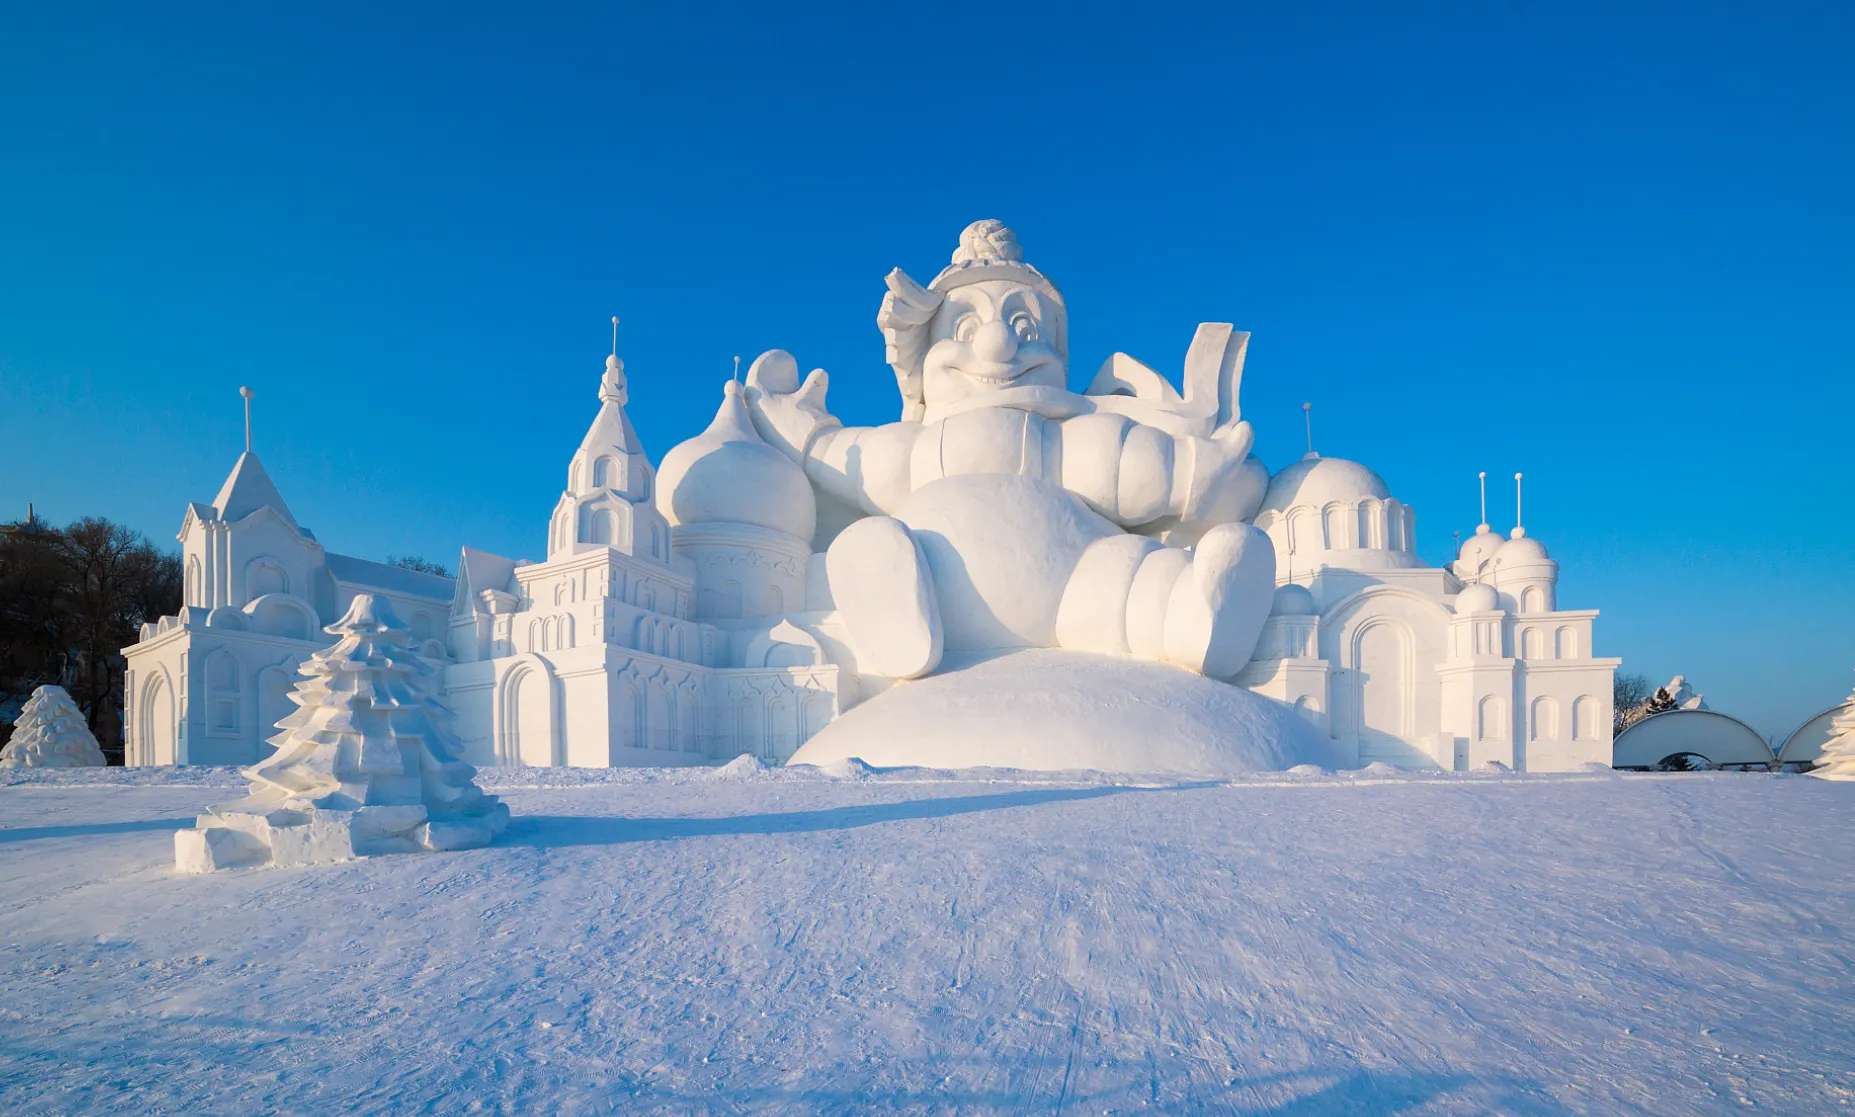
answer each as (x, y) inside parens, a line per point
(804, 941)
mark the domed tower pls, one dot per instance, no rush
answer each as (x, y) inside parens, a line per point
(1522, 571)
(1332, 512)
(742, 513)
(607, 502)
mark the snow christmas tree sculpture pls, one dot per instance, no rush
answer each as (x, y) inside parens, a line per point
(51, 733)
(364, 767)
(1838, 760)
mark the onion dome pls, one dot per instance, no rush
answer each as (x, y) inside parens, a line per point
(729, 474)
(1317, 481)
(1478, 598)
(1292, 600)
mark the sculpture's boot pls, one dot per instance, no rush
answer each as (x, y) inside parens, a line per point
(1218, 606)
(1093, 615)
(884, 592)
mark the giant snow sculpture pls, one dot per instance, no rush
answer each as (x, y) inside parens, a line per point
(363, 767)
(51, 733)
(1011, 573)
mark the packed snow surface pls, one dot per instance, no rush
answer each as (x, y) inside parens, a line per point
(1051, 709)
(855, 941)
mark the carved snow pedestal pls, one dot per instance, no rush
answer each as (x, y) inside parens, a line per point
(363, 768)
(1838, 760)
(51, 733)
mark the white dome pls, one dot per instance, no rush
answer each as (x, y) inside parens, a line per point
(729, 474)
(1477, 551)
(1292, 600)
(1478, 598)
(1521, 550)
(1317, 481)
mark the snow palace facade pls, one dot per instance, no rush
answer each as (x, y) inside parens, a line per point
(781, 571)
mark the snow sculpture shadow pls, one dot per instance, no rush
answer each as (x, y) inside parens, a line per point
(554, 831)
(37, 833)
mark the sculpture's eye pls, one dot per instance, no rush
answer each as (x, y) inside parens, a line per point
(1024, 325)
(966, 327)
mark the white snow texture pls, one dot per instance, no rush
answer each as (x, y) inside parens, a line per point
(794, 942)
(51, 733)
(1050, 709)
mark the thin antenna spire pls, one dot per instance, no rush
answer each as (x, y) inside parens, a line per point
(1307, 412)
(1484, 502)
(615, 335)
(247, 393)
(737, 370)
(1518, 530)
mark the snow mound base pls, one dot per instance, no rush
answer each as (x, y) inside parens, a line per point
(1056, 710)
(746, 766)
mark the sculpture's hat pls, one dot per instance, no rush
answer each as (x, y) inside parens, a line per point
(990, 250)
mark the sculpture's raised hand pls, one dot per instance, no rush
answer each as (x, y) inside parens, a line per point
(787, 414)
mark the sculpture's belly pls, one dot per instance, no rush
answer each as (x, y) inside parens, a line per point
(1001, 548)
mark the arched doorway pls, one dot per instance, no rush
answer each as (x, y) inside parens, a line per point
(1382, 665)
(156, 723)
(531, 719)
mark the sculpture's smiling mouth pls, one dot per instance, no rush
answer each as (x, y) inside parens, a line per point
(996, 374)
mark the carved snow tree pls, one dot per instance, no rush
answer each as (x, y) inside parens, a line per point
(364, 766)
(1838, 760)
(51, 733)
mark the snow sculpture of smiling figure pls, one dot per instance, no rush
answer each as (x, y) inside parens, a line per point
(1005, 511)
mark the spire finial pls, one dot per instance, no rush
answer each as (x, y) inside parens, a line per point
(615, 335)
(1307, 413)
(1483, 526)
(1519, 532)
(737, 370)
(247, 393)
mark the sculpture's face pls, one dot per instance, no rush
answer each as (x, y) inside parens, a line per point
(991, 335)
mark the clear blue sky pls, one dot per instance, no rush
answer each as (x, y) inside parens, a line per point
(1610, 245)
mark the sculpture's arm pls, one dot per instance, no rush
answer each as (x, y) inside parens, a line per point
(863, 466)
(1137, 474)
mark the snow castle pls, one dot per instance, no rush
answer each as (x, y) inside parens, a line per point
(781, 571)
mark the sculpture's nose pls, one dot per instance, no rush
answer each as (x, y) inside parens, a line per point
(995, 341)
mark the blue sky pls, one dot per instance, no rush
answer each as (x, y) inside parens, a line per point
(1609, 245)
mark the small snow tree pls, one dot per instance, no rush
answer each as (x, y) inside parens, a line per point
(51, 733)
(364, 766)
(1838, 760)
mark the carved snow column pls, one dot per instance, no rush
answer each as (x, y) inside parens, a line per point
(1479, 708)
(742, 514)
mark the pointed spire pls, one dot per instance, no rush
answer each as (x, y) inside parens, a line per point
(1482, 528)
(248, 488)
(1519, 532)
(612, 387)
(1307, 413)
(247, 393)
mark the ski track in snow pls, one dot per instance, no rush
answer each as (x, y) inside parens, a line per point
(788, 942)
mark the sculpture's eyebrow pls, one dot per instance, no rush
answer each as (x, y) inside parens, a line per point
(1021, 298)
(970, 297)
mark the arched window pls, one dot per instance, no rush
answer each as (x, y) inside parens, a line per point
(779, 742)
(265, 576)
(1584, 718)
(193, 581)
(1491, 719)
(602, 473)
(1565, 643)
(1332, 527)
(657, 542)
(747, 736)
(775, 602)
(1545, 720)
(1532, 600)
(1533, 644)
(1303, 531)
(691, 740)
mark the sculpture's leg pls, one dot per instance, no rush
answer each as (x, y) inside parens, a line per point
(884, 592)
(1218, 606)
(1094, 615)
